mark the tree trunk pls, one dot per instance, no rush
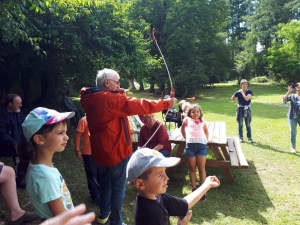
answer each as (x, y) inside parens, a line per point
(151, 90)
(131, 84)
(142, 88)
(161, 88)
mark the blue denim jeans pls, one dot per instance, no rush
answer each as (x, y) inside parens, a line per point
(241, 119)
(195, 149)
(165, 153)
(112, 191)
(91, 170)
(293, 129)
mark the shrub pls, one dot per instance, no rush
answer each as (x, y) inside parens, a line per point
(262, 79)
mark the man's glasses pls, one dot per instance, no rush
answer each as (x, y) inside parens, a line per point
(116, 82)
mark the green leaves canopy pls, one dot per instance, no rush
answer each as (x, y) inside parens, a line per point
(284, 54)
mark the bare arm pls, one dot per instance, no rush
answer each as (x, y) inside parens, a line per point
(233, 98)
(186, 219)
(158, 147)
(183, 129)
(72, 217)
(246, 97)
(56, 206)
(194, 197)
(206, 131)
(77, 144)
(287, 94)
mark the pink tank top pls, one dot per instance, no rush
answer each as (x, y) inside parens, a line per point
(194, 131)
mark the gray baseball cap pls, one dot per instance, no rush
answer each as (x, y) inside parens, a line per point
(145, 158)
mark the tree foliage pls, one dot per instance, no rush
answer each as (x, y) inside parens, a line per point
(49, 45)
(262, 24)
(284, 55)
(190, 36)
(63, 41)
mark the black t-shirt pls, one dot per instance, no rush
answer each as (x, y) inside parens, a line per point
(158, 212)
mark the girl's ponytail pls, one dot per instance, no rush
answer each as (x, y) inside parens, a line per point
(26, 150)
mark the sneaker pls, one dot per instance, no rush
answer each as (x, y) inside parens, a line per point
(241, 140)
(293, 151)
(250, 140)
(102, 220)
(25, 218)
(203, 198)
(194, 189)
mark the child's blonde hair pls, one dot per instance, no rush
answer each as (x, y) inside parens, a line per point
(194, 106)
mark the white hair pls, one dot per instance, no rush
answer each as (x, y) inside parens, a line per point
(104, 74)
(185, 106)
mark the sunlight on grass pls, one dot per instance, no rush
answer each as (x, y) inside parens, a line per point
(265, 193)
(258, 195)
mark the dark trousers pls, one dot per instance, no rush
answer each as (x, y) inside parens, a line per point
(91, 171)
(20, 165)
(112, 193)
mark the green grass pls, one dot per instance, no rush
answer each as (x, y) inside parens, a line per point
(266, 193)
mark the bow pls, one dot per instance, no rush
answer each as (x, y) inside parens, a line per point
(172, 93)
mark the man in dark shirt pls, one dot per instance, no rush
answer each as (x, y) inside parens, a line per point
(11, 119)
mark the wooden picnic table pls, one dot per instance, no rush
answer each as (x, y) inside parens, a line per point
(227, 151)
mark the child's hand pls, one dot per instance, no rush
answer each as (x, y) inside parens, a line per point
(213, 181)
(72, 217)
(78, 154)
(185, 220)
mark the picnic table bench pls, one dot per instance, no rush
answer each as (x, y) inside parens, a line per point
(227, 150)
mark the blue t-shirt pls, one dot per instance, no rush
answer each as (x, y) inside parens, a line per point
(241, 100)
(45, 184)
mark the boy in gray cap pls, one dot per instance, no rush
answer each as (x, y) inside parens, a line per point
(146, 170)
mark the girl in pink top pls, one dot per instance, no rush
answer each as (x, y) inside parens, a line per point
(195, 132)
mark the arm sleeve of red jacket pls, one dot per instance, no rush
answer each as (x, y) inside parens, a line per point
(127, 106)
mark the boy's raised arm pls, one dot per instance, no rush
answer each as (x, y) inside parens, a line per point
(194, 197)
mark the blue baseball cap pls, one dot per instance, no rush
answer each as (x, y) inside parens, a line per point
(42, 116)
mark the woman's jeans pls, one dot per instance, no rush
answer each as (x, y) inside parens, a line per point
(293, 129)
(241, 119)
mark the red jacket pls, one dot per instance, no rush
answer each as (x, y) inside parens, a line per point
(106, 113)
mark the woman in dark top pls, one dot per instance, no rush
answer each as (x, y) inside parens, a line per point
(294, 112)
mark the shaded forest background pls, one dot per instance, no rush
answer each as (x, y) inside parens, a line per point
(48, 46)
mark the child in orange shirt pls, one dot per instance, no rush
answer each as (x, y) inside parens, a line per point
(85, 154)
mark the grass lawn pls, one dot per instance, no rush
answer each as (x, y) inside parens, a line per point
(266, 193)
